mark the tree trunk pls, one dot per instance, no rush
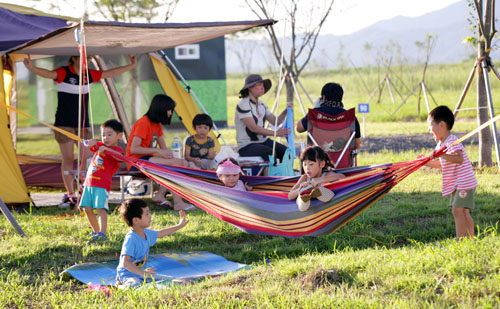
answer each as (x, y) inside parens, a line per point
(485, 141)
(485, 137)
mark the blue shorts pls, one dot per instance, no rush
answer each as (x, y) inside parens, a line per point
(94, 197)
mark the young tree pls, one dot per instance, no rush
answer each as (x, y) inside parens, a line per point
(425, 46)
(306, 19)
(130, 10)
(485, 32)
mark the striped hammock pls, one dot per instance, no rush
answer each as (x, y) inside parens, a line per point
(267, 210)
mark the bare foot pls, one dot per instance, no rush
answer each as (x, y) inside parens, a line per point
(183, 206)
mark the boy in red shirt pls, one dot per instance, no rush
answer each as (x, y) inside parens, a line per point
(459, 180)
(98, 181)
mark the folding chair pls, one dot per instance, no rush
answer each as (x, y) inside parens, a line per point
(335, 134)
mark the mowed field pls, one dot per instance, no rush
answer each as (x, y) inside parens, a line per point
(399, 253)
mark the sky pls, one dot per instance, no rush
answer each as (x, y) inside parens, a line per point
(346, 17)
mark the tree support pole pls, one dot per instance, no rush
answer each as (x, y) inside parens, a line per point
(492, 112)
(466, 89)
(404, 101)
(425, 97)
(388, 82)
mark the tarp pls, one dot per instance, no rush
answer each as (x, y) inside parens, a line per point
(170, 267)
(12, 186)
(22, 24)
(117, 38)
(101, 38)
(185, 108)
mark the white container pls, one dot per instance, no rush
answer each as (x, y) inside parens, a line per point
(177, 147)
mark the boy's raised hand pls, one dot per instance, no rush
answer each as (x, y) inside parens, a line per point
(183, 219)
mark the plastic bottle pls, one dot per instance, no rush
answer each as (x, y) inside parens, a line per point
(177, 147)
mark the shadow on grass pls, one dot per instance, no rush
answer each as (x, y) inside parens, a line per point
(398, 219)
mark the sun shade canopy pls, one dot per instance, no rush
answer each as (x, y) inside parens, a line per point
(117, 38)
(21, 24)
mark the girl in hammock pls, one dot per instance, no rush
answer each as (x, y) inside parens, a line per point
(316, 165)
(229, 172)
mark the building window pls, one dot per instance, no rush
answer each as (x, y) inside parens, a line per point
(191, 51)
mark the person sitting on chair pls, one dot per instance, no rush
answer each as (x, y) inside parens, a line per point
(331, 104)
(250, 117)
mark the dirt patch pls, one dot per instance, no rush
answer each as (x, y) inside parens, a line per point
(321, 278)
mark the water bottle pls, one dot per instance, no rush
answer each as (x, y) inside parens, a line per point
(177, 147)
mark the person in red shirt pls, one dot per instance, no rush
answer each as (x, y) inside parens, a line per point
(146, 135)
(98, 181)
(67, 80)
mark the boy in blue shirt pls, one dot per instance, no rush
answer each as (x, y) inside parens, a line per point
(200, 148)
(131, 271)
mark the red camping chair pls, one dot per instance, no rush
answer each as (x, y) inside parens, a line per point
(335, 134)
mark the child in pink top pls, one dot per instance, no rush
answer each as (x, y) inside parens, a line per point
(229, 172)
(458, 180)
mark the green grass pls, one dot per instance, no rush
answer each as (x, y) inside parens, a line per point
(399, 253)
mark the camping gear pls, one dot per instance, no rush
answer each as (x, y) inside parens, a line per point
(170, 267)
(101, 38)
(334, 134)
(267, 210)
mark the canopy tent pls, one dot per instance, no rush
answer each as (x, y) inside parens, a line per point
(22, 24)
(101, 38)
(118, 38)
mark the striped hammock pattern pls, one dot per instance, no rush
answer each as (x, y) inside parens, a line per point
(267, 210)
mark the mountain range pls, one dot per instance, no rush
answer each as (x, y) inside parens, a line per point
(450, 26)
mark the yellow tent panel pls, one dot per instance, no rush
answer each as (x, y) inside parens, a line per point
(12, 186)
(186, 108)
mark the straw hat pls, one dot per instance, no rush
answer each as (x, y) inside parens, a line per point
(253, 79)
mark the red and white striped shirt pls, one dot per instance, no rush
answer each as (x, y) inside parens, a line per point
(456, 176)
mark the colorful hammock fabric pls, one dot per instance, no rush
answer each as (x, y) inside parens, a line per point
(267, 210)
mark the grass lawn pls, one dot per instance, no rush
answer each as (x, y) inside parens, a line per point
(399, 253)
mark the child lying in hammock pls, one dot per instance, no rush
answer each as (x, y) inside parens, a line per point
(229, 172)
(315, 163)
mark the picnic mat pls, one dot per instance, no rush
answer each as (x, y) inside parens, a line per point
(171, 267)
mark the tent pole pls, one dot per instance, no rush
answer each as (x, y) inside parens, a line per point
(190, 90)
(13, 103)
(12, 220)
(114, 98)
(80, 40)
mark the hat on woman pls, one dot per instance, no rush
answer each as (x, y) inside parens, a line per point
(253, 79)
